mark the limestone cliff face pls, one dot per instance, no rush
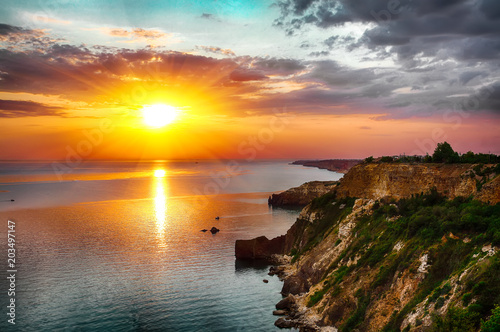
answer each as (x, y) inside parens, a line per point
(375, 181)
(490, 192)
(302, 195)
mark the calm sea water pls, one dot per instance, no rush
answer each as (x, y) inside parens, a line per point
(117, 246)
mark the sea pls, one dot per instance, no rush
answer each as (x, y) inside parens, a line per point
(118, 246)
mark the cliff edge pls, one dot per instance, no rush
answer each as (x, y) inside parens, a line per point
(401, 180)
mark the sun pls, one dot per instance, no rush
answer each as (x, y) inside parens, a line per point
(159, 115)
(159, 173)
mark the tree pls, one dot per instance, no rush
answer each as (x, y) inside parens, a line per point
(444, 154)
(492, 324)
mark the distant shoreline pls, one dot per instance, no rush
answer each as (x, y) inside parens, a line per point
(334, 165)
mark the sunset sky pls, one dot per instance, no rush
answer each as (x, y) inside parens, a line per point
(249, 79)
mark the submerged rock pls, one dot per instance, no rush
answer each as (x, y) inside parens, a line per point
(214, 230)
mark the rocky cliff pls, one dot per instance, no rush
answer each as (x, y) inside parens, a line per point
(394, 247)
(302, 195)
(400, 180)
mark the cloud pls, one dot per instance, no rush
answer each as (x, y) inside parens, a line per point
(17, 38)
(283, 66)
(216, 50)
(333, 74)
(445, 28)
(487, 98)
(207, 16)
(110, 76)
(46, 19)
(243, 75)
(138, 35)
(468, 76)
(319, 53)
(20, 108)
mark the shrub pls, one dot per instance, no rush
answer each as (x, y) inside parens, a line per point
(439, 303)
(359, 314)
(316, 297)
(456, 320)
(492, 324)
(466, 299)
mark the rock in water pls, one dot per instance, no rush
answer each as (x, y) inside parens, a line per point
(259, 248)
(284, 323)
(265, 281)
(204, 230)
(279, 312)
(214, 230)
(286, 303)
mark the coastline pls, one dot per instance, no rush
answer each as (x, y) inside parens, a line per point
(335, 165)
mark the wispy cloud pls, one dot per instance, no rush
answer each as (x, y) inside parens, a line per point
(51, 20)
(152, 37)
(216, 50)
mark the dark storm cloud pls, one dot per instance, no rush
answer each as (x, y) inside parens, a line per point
(467, 76)
(460, 28)
(491, 9)
(443, 49)
(488, 98)
(19, 108)
(331, 73)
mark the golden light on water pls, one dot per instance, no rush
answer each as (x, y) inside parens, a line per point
(159, 115)
(160, 206)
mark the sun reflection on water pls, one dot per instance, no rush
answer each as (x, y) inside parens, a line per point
(160, 206)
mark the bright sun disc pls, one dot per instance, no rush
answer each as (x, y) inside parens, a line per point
(159, 173)
(159, 115)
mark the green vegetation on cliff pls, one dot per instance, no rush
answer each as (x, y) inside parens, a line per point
(451, 235)
(444, 153)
